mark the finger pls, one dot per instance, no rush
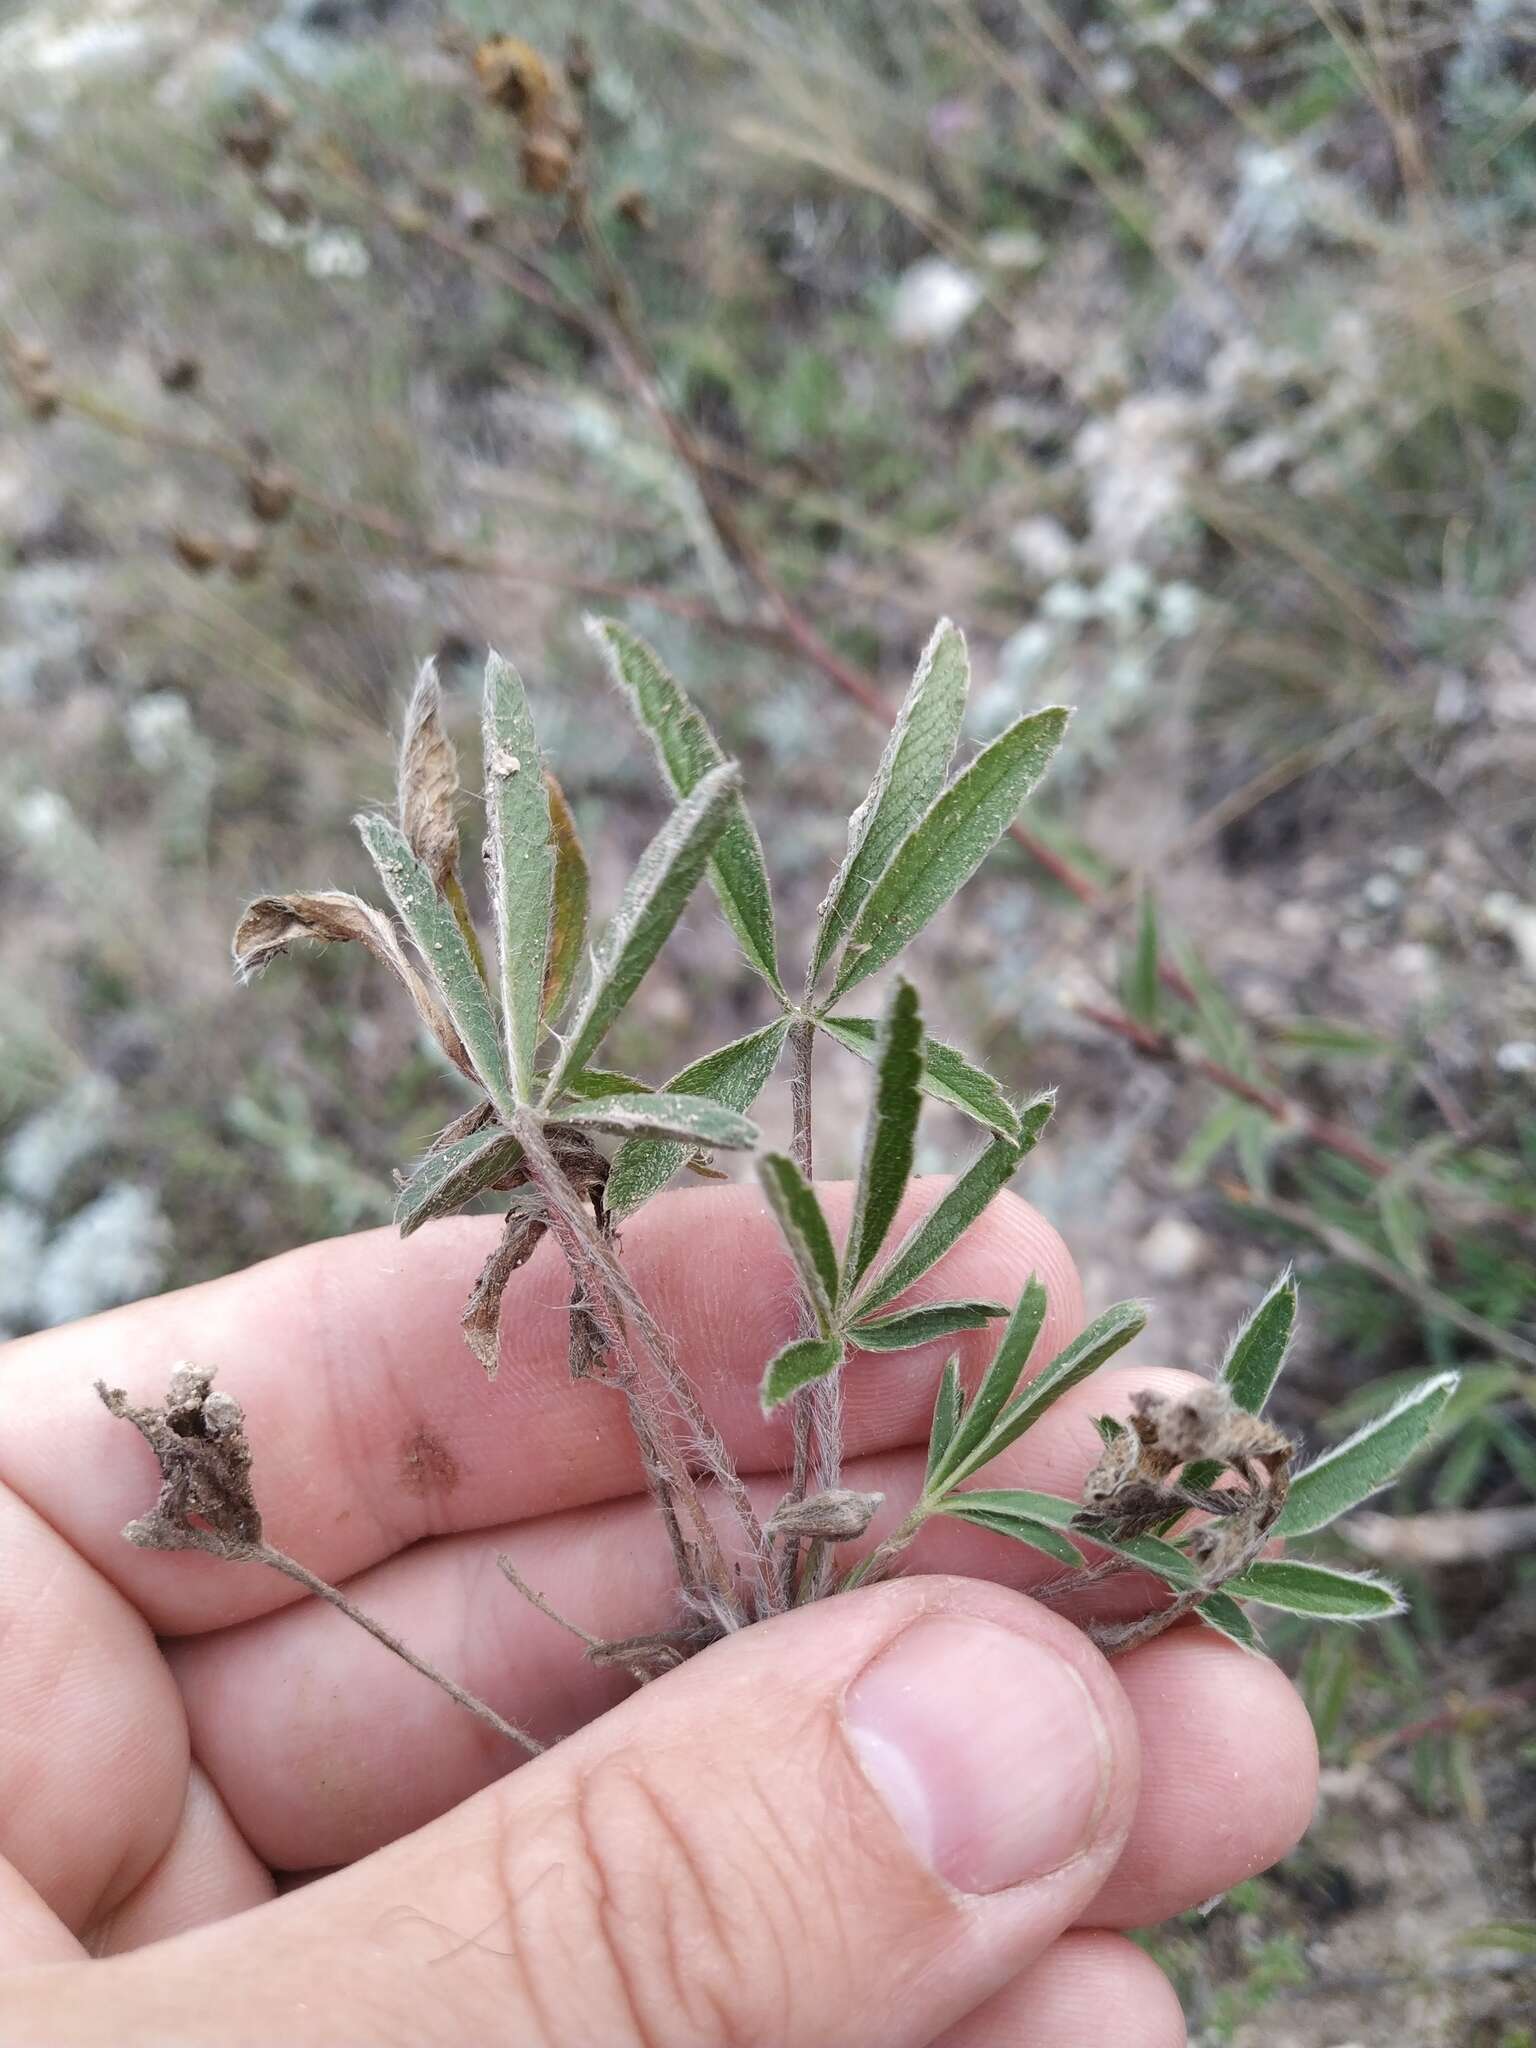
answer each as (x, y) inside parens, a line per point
(326, 1747)
(1087, 1990)
(851, 1824)
(207, 1873)
(373, 1427)
(30, 1931)
(1229, 1775)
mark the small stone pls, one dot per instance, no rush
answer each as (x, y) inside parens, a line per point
(932, 302)
(1173, 1248)
(1382, 892)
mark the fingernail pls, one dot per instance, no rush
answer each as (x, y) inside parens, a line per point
(987, 1747)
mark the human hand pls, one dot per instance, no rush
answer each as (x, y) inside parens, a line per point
(908, 1815)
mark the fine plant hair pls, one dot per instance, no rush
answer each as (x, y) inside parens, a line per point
(1189, 1494)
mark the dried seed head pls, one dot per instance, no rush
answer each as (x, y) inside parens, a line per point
(198, 1438)
(197, 552)
(837, 1516)
(427, 780)
(269, 495)
(245, 553)
(1205, 1423)
(545, 161)
(634, 208)
(513, 76)
(180, 374)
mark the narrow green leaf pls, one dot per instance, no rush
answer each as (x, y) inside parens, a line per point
(949, 843)
(1038, 1535)
(796, 1366)
(1366, 1462)
(591, 1084)
(1405, 1224)
(1316, 1589)
(913, 1326)
(948, 1076)
(568, 922)
(997, 1385)
(946, 1417)
(652, 903)
(520, 852)
(890, 1133)
(953, 1214)
(691, 1120)
(1017, 1500)
(1143, 991)
(1257, 1353)
(687, 751)
(1103, 1337)
(1151, 1553)
(447, 1179)
(435, 932)
(909, 777)
(1518, 1936)
(1224, 1615)
(734, 1076)
(799, 1216)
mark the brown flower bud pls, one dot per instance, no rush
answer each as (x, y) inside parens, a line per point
(838, 1516)
(197, 552)
(513, 75)
(545, 161)
(269, 495)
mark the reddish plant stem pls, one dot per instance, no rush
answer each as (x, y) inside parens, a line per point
(1508, 1700)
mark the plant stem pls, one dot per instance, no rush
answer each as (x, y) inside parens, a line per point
(806, 1411)
(279, 1560)
(870, 1570)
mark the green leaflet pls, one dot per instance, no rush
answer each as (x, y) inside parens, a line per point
(591, 1084)
(947, 845)
(1152, 1554)
(956, 1210)
(521, 852)
(568, 922)
(687, 751)
(447, 1179)
(441, 944)
(1228, 1619)
(1317, 1590)
(734, 1076)
(890, 1133)
(652, 903)
(1018, 1500)
(948, 1076)
(796, 1366)
(1104, 1336)
(946, 1419)
(692, 1120)
(1022, 1528)
(1366, 1462)
(913, 1326)
(1142, 989)
(799, 1216)
(1257, 1352)
(909, 777)
(967, 1452)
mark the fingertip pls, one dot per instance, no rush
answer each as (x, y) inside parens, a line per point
(1089, 1988)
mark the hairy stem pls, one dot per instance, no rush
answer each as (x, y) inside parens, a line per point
(279, 1560)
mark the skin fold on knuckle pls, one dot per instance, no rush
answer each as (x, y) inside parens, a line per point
(677, 1898)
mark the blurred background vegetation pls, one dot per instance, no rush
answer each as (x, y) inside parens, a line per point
(1182, 351)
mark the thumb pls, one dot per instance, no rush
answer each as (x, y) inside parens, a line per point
(853, 1824)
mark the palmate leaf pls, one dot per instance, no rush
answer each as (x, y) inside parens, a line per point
(436, 935)
(1366, 1462)
(890, 1133)
(568, 921)
(913, 1326)
(910, 775)
(796, 1366)
(959, 1206)
(734, 1076)
(948, 1076)
(653, 901)
(687, 751)
(967, 1445)
(447, 1179)
(1093, 1347)
(1317, 1590)
(692, 1120)
(947, 845)
(521, 860)
(799, 1216)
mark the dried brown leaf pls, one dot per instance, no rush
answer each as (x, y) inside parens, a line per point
(427, 780)
(481, 1320)
(199, 1440)
(271, 924)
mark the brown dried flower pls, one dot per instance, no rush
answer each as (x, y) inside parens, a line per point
(199, 1438)
(427, 780)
